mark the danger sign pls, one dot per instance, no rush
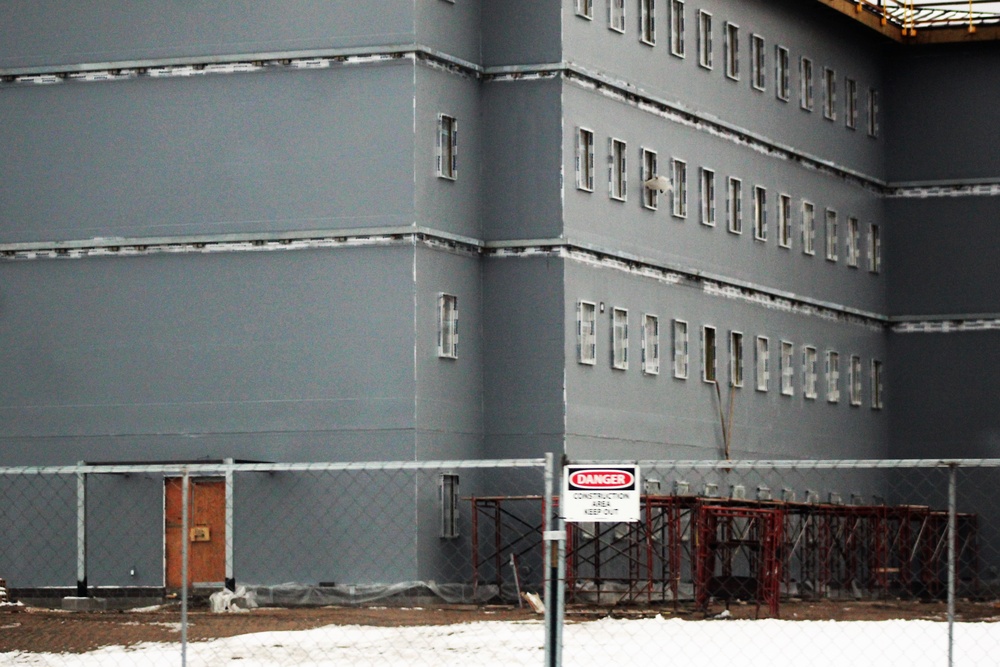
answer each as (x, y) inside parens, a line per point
(600, 493)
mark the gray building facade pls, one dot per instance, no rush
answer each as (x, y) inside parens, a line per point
(398, 230)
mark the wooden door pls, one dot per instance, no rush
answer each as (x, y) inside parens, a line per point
(206, 531)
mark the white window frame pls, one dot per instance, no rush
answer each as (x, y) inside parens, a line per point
(829, 93)
(831, 235)
(617, 169)
(876, 384)
(808, 228)
(832, 376)
(585, 9)
(762, 363)
(647, 22)
(787, 368)
(447, 147)
(619, 338)
(650, 344)
(448, 496)
(447, 326)
(759, 213)
(807, 99)
(585, 159)
(784, 221)
(874, 248)
(707, 192)
(873, 113)
(853, 242)
(709, 354)
(732, 49)
(650, 196)
(682, 355)
(854, 380)
(677, 28)
(758, 63)
(705, 55)
(850, 103)
(734, 205)
(782, 75)
(586, 333)
(679, 189)
(616, 16)
(735, 358)
(809, 372)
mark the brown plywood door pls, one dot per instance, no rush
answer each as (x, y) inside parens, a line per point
(206, 531)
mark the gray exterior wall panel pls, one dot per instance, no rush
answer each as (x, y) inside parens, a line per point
(57, 32)
(238, 153)
(594, 218)
(522, 32)
(522, 171)
(206, 345)
(636, 415)
(803, 28)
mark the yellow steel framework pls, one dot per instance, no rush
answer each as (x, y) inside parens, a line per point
(926, 21)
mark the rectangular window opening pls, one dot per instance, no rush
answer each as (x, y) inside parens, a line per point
(829, 94)
(448, 495)
(679, 190)
(809, 372)
(762, 363)
(447, 147)
(734, 205)
(619, 337)
(732, 47)
(787, 368)
(806, 99)
(647, 22)
(617, 170)
(650, 196)
(616, 15)
(851, 103)
(707, 197)
(708, 354)
(876, 381)
(448, 326)
(784, 221)
(705, 39)
(758, 63)
(681, 356)
(874, 249)
(585, 9)
(808, 228)
(735, 359)
(782, 78)
(872, 113)
(585, 160)
(677, 28)
(759, 213)
(586, 332)
(853, 242)
(854, 379)
(650, 344)
(831, 235)
(832, 377)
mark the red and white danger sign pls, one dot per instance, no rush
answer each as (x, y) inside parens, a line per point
(600, 493)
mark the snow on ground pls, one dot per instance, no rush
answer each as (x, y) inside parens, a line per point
(653, 641)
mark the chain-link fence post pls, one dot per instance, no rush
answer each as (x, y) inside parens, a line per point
(554, 595)
(81, 531)
(952, 560)
(185, 494)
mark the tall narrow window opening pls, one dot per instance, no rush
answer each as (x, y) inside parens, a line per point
(808, 228)
(585, 8)
(677, 28)
(806, 99)
(448, 326)
(586, 332)
(585, 160)
(734, 205)
(647, 22)
(759, 213)
(448, 495)
(735, 359)
(809, 372)
(679, 190)
(829, 94)
(616, 15)
(874, 249)
(854, 378)
(784, 221)
(650, 344)
(872, 112)
(447, 147)
(782, 79)
(787, 368)
(619, 337)
(708, 354)
(851, 103)
(876, 388)
(831, 235)
(758, 63)
(732, 47)
(853, 242)
(705, 39)
(650, 196)
(707, 197)
(681, 355)
(762, 363)
(617, 170)
(832, 377)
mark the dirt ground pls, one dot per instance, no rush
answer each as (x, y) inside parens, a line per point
(45, 630)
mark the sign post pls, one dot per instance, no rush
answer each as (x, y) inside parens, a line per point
(600, 493)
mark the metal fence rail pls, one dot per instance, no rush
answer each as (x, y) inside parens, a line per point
(403, 563)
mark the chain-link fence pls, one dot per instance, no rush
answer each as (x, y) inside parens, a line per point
(845, 562)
